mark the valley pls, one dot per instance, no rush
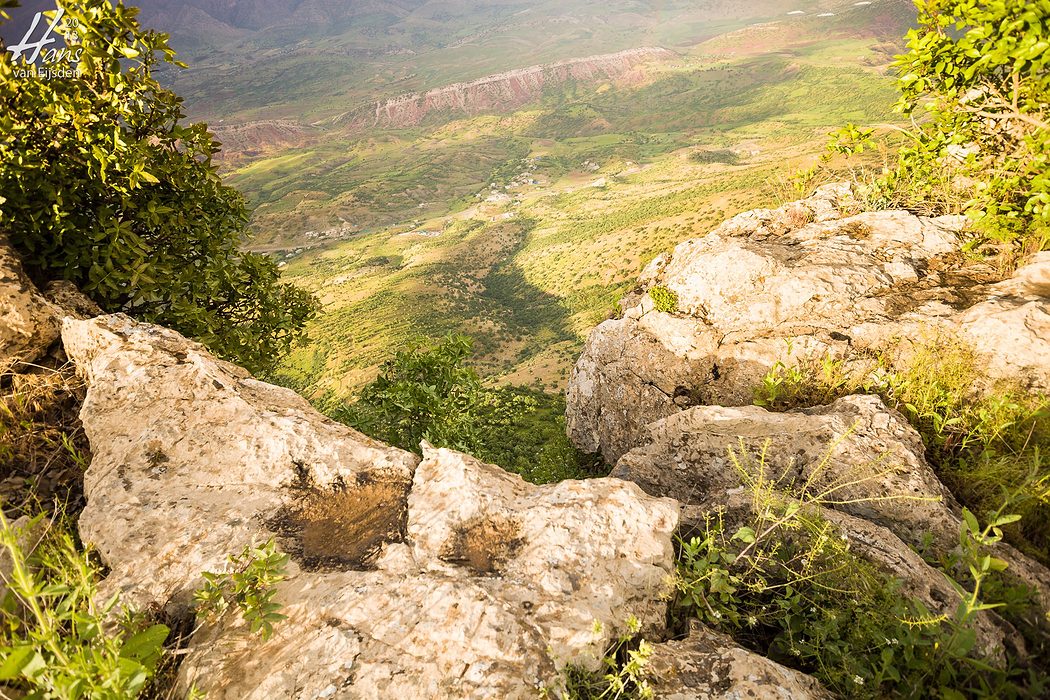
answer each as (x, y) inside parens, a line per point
(522, 227)
(506, 169)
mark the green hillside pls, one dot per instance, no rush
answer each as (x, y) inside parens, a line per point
(523, 230)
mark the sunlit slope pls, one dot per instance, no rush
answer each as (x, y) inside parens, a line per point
(583, 191)
(359, 182)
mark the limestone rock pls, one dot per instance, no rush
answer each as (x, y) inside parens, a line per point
(1011, 329)
(28, 322)
(798, 284)
(708, 665)
(502, 584)
(191, 456)
(450, 578)
(600, 545)
(72, 302)
(863, 457)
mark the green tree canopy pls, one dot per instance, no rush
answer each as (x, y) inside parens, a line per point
(103, 183)
(979, 72)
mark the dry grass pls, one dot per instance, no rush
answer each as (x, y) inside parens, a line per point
(43, 449)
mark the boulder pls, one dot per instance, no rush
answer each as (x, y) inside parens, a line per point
(601, 542)
(500, 585)
(1010, 330)
(447, 578)
(192, 457)
(797, 285)
(29, 323)
(707, 665)
(855, 456)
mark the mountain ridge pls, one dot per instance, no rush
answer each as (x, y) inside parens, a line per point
(502, 91)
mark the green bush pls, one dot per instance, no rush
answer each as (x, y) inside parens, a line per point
(976, 82)
(664, 299)
(101, 183)
(431, 394)
(722, 156)
(784, 582)
(979, 439)
(54, 637)
(423, 394)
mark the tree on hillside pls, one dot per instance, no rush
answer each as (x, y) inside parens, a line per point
(102, 183)
(976, 83)
(432, 394)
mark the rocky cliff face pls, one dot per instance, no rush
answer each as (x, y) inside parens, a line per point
(505, 91)
(666, 395)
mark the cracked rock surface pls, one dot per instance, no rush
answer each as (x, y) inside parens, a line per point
(442, 578)
(799, 283)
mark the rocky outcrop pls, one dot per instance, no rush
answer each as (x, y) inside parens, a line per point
(447, 578)
(502, 584)
(707, 665)
(795, 284)
(855, 455)
(666, 396)
(29, 323)
(209, 457)
(503, 91)
(856, 462)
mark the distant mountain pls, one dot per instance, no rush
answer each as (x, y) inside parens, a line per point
(311, 60)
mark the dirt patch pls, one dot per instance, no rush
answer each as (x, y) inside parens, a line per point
(483, 544)
(43, 449)
(857, 230)
(345, 527)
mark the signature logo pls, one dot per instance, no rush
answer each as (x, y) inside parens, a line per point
(32, 51)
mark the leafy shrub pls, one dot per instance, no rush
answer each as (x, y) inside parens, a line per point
(979, 442)
(424, 394)
(101, 184)
(533, 442)
(432, 394)
(811, 384)
(786, 584)
(249, 585)
(664, 299)
(977, 75)
(54, 640)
